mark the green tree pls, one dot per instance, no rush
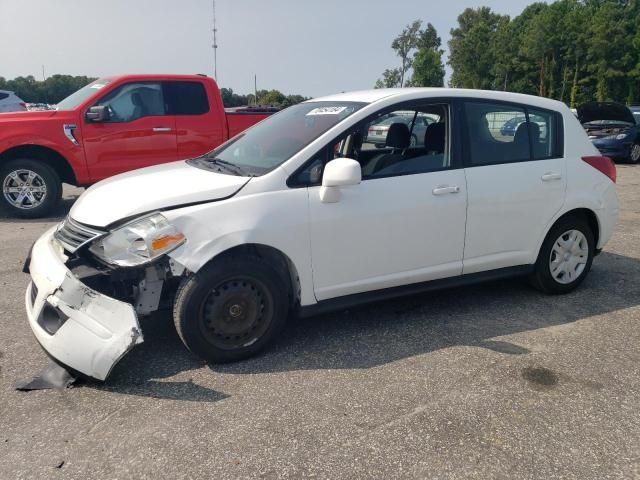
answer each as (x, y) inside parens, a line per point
(390, 79)
(471, 57)
(404, 44)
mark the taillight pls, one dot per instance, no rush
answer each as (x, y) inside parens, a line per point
(604, 165)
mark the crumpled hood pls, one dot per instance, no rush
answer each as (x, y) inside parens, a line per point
(592, 111)
(150, 189)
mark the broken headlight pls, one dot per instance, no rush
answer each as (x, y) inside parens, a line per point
(138, 242)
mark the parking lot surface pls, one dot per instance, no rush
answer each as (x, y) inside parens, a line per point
(490, 381)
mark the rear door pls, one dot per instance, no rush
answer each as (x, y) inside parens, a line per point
(138, 133)
(199, 125)
(516, 182)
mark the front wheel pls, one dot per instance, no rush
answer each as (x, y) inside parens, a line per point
(231, 309)
(30, 188)
(565, 257)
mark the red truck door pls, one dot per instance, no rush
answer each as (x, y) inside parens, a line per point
(140, 131)
(200, 121)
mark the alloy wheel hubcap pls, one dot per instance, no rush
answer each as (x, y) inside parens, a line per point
(569, 256)
(24, 189)
(635, 153)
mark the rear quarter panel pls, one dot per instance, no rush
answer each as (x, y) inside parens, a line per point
(586, 187)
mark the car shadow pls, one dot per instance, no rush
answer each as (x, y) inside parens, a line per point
(385, 332)
(161, 356)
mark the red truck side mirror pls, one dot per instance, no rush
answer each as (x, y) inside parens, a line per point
(98, 113)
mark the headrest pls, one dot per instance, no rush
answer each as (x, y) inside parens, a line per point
(136, 99)
(434, 137)
(521, 135)
(398, 136)
(535, 131)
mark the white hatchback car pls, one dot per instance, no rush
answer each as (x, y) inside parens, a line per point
(294, 217)
(10, 102)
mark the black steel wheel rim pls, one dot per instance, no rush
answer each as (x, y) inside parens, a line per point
(236, 313)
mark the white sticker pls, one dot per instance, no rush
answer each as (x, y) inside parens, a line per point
(98, 86)
(327, 111)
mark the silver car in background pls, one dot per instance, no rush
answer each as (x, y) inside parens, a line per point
(377, 133)
(10, 102)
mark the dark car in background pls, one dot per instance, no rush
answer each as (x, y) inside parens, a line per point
(613, 129)
(510, 126)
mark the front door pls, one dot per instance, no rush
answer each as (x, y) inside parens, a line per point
(138, 133)
(403, 224)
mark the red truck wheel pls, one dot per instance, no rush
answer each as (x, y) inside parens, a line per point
(30, 189)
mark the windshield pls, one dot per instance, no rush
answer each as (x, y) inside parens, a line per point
(79, 96)
(276, 139)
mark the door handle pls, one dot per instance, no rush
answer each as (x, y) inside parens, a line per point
(446, 189)
(161, 129)
(549, 176)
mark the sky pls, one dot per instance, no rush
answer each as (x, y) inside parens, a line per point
(307, 47)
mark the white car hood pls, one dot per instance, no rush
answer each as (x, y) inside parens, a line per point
(153, 188)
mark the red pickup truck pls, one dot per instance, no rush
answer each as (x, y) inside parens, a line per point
(110, 126)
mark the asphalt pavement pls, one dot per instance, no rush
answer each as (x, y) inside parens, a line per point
(490, 381)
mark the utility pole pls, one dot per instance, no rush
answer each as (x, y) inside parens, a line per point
(215, 44)
(43, 75)
(255, 88)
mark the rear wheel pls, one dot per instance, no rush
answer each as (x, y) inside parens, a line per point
(565, 257)
(30, 189)
(634, 155)
(231, 309)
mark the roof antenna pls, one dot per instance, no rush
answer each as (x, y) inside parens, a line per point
(215, 44)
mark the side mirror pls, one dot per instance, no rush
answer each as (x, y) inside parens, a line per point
(340, 172)
(97, 113)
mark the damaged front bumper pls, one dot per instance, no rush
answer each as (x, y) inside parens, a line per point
(79, 327)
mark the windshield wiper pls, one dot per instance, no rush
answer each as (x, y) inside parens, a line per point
(232, 167)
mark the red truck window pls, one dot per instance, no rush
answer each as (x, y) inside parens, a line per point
(186, 98)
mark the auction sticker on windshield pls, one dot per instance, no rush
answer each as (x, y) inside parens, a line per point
(327, 111)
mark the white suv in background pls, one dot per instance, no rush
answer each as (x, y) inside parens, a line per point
(10, 102)
(295, 216)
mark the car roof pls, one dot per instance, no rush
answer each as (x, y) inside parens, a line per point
(154, 76)
(398, 94)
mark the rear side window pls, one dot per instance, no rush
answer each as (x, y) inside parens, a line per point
(497, 133)
(3, 95)
(186, 98)
(502, 133)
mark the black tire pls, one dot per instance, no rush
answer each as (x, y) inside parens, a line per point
(204, 313)
(542, 278)
(46, 175)
(634, 154)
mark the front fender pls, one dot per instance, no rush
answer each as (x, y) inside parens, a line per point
(276, 219)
